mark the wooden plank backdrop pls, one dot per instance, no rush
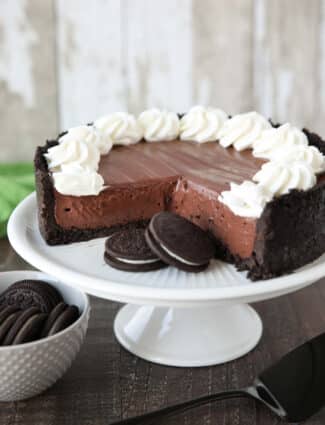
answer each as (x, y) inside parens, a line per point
(65, 62)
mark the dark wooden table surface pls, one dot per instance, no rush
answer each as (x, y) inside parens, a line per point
(106, 382)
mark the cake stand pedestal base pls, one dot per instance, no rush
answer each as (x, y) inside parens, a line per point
(188, 337)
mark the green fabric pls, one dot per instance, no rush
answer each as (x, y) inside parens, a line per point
(16, 182)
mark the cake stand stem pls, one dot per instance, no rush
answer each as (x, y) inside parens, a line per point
(188, 337)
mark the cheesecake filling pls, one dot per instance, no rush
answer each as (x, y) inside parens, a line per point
(113, 206)
(122, 206)
(202, 207)
(185, 178)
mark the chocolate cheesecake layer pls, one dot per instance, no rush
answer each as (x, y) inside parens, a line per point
(119, 204)
(183, 177)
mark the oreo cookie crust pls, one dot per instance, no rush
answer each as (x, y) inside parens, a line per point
(128, 250)
(179, 242)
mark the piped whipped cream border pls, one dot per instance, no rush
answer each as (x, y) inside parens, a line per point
(291, 162)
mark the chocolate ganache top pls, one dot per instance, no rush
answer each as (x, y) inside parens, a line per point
(208, 164)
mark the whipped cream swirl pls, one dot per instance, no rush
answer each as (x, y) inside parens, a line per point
(279, 178)
(78, 182)
(73, 153)
(307, 154)
(243, 130)
(202, 124)
(74, 161)
(273, 143)
(87, 133)
(159, 125)
(122, 128)
(246, 199)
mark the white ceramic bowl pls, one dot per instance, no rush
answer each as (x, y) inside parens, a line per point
(28, 369)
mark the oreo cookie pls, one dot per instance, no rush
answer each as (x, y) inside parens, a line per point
(6, 310)
(55, 313)
(44, 286)
(128, 250)
(31, 293)
(21, 319)
(179, 242)
(31, 329)
(7, 323)
(61, 319)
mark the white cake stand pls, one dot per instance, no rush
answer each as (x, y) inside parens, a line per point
(173, 318)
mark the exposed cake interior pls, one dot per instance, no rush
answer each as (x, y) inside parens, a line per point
(186, 178)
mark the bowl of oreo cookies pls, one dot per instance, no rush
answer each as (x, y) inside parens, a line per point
(43, 324)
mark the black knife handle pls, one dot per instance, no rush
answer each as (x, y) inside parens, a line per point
(153, 417)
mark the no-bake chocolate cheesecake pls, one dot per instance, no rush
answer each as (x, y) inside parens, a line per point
(258, 189)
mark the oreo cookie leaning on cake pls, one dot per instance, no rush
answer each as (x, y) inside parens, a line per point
(168, 240)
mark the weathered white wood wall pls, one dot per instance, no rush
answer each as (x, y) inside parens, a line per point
(64, 62)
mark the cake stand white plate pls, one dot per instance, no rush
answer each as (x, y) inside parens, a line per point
(173, 318)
